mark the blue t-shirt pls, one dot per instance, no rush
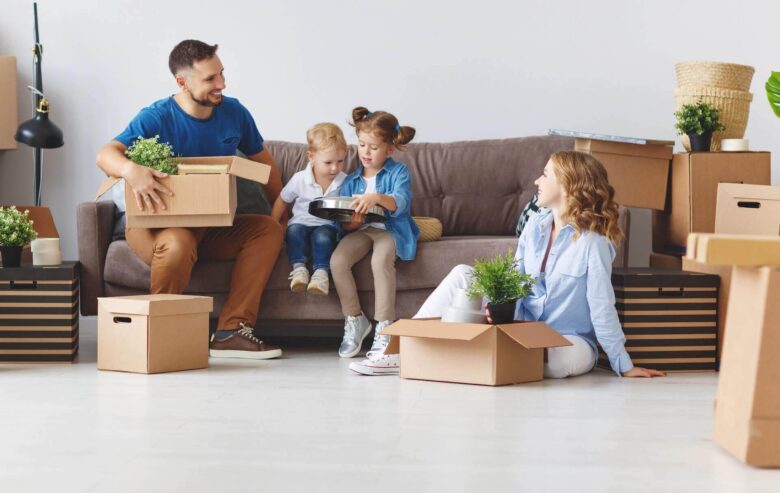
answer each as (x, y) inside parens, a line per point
(230, 128)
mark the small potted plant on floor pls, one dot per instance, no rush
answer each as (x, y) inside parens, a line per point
(698, 121)
(502, 283)
(153, 154)
(16, 230)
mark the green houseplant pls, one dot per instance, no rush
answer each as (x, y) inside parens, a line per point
(772, 87)
(153, 154)
(16, 230)
(502, 283)
(698, 121)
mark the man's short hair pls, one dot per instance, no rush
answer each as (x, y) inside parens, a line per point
(185, 54)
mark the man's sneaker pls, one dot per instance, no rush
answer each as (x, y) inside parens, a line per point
(380, 340)
(377, 364)
(241, 343)
(299, 279)
(355, 330)
(319, 283)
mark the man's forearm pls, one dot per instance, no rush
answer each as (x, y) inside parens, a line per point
(111, 159)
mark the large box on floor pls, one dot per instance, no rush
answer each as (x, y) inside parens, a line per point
(639, 173)
(153, 333)
(198, 199)
(693, 193)
(472, 353)
(669, 318)
(747, 408)
(9, 115)
(39, 321)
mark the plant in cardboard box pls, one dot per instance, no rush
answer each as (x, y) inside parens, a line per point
(16, 230)
(698, 121)
(153, 154)
(772, 87)
(500, 280)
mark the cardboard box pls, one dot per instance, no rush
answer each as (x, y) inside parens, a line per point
(639, 173)
(43, 224)
(39, 314)
(9, 113)
(472, 353)
(669, 318)
(744, 250)
(199, 199)
(664, 261)
(693, 193)
(724, 272)
(747, 409)
(153, 333)
(748, 209)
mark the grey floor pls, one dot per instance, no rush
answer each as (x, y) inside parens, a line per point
(306, 423)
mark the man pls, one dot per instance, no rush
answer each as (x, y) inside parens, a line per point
(200, 121)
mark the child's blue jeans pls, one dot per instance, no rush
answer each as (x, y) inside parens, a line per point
(311, 242)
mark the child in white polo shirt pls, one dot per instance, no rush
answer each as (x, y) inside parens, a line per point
(310, 238)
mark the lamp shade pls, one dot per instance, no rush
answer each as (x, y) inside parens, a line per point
(39, 131)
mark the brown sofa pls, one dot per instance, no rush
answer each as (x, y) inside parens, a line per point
(476, 189)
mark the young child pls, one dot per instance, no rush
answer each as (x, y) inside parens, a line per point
(378, 180)
(309, 237)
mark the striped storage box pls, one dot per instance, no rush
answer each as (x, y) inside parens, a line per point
(669, 317)
(39, 308)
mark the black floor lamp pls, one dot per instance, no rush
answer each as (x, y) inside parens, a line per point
(38, 132)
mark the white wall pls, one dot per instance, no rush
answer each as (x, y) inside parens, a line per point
(454, 70)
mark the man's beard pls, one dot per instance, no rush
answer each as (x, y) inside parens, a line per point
(205, 102)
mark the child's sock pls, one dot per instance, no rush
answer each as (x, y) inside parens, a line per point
(298, 264)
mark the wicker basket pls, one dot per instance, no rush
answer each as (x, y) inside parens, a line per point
(714, 74)
(734, 109)
(430, 228)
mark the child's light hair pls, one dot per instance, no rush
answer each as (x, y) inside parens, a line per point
(324, 136)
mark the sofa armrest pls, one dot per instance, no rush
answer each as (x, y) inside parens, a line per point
(621, 254)
(95, 224)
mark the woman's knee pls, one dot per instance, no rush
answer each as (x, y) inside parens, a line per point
(569, 361)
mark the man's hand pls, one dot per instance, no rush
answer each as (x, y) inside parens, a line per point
(643, 373)
(362, 203)
(146, 188)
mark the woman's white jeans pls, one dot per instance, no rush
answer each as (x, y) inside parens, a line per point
(562, 362)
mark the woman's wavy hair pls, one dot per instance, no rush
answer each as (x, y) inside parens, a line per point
(590, 199)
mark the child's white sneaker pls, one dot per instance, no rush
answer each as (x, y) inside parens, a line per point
(380, 340)
(319, 283)
(299, 279)
(378, 364)
(355, 330)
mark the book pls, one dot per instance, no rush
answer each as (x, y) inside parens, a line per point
(203, 169)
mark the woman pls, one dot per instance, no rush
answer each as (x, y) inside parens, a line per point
(569, 247)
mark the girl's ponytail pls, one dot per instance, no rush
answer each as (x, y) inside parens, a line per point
(403, 136)
(359, 114)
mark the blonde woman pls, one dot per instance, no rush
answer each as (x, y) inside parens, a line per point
(569, 247)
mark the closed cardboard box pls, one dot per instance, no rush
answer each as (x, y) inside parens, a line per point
(693, 193)
(199, 200)
(664, 261)
(153, 333)
(472, 353)
(9, 113)
(639, 173)
(747, 407)
(748, 209)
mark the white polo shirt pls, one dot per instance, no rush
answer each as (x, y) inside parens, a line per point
(302, 189)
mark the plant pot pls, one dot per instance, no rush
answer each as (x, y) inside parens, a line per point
(503, 313)
(12, 255)
(700, 143)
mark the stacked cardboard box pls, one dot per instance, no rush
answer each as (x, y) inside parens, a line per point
(669, 318)
(9, 116)
(39, 308)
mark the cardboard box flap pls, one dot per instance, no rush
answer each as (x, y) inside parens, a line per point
(534, 335)
(433, 328)
(641, 150)
(105, 187)
(245, 168)
(158, 304)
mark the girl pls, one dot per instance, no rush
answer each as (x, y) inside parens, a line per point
(568, 247)
(378, 180)
(310, 237)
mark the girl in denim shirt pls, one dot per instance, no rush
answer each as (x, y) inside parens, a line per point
(378, 180)
(568, 247)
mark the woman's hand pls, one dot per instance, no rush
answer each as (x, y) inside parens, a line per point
(364, 202)
(357, 221)
(143, 182)
(643, 373)
(487, 314)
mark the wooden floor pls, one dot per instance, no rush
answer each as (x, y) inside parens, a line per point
(306, 423)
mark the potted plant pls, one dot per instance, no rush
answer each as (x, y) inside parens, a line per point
(773, 92)
(16, 230)
(153, 154)
(698, 121)
(502, 283)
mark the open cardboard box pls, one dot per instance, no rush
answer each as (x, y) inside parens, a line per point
(198, 199)
(638, 172)
(482, 354)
